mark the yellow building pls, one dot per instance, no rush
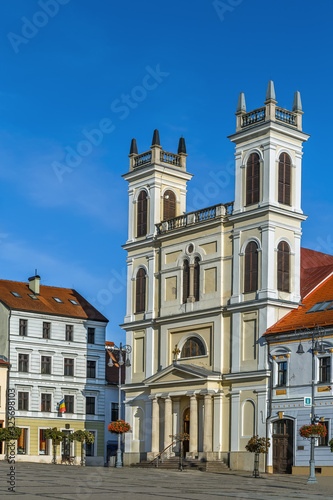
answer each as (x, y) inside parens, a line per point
(204, 286)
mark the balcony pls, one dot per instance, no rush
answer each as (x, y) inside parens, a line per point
(194, 218)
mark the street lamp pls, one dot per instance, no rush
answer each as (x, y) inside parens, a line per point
(121, 351)
(316, 347)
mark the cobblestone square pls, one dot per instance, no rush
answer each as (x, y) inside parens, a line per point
(70, 482)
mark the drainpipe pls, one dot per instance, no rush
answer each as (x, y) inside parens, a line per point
(270, 392)
(8, 371)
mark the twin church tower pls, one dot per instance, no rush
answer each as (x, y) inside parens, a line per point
(203, 287)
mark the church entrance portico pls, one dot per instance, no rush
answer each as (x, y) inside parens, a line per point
(178, 410)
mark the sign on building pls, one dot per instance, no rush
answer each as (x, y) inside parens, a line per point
(307, 401)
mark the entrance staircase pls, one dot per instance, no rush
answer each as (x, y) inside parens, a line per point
(173, 463)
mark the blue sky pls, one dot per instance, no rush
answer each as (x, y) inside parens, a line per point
(66, 67)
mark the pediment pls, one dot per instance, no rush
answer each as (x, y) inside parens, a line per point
(177, 372)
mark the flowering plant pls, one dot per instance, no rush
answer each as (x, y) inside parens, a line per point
(258, 445)
(308, 431)
(119, 427)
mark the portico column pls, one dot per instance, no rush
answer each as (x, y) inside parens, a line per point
(167, 422)
(208, 424)
(155, 423)
(193, 424)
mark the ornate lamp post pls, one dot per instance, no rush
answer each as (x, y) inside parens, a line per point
(316, 347)
(119, 352)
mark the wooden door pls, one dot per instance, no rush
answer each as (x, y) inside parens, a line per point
(283, 446)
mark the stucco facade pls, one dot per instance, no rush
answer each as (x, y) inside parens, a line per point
(221, 393)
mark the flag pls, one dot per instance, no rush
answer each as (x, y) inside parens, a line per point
(62, 407)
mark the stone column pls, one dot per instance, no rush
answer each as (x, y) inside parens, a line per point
(208, 424)
(193, 425)
(191, 297)
(167, 422)
(155, 427)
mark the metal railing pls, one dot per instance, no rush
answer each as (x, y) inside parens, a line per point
(164, 454)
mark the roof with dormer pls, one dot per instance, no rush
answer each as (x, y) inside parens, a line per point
(18, 296)
(315, 310)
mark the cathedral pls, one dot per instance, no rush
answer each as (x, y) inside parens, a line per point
(203, 287)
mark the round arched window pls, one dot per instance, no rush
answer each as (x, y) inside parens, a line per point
(193, 347)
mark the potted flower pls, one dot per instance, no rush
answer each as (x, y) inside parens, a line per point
(313, 431)
(119, 427)
(257, 445)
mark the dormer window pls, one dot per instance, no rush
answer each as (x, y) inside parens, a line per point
(58, 300)
(16, 294)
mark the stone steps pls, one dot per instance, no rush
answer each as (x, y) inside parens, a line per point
(172, 463)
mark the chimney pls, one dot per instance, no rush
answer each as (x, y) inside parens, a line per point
(34, 284)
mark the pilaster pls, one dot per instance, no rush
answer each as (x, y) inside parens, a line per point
(193, 448)
(208, 424)
(235, 416)
(167, 422)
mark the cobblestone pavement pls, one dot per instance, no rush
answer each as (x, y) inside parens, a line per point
(46, 481)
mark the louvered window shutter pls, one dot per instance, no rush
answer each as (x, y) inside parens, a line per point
(140, 291)
(251, 268)
(186, 281)
(169, 205)
(283, 267)
(284, 188)
(252, 179)
(197, 279)
(142, 214)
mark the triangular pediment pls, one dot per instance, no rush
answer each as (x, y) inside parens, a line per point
(177, 372)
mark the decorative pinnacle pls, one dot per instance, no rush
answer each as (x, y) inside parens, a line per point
(181, 146)
(297, 105)
(134, 147)
(270, 94)
(156, 138)
(241, 105)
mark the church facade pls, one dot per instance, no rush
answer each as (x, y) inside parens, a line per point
(203, 287)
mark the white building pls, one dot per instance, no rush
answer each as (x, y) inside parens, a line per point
(54, 340)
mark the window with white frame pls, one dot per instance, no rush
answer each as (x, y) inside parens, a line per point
(323, 441)
(324, 369)
(44, 444)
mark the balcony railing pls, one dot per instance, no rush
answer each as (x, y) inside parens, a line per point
(285, 116)
(198, 217)
(165, 157)
(170, 158)
(258, 115)
(142, 159)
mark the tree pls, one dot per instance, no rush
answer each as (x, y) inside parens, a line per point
(11, 433)
(57, 437)
(257, 445)
(84, 437)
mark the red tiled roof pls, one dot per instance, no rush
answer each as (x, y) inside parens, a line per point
(315, 266)
(46, 303)
(300, 318)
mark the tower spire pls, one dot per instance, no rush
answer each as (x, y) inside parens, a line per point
(134, 147)
(181, 146)
(297, 104)
(156, 138)
(241, 105)
(270, 94)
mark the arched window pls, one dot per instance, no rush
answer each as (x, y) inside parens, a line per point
(251, 267)
(186, 281)
(169, 205)
(193, 347)
(284, 179)
(140, 291)
(252, 179)
(283, 267)
(142, 214)
(248, 419)
(196, 279)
